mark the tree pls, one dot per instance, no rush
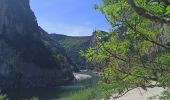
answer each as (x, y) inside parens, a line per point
(143, 12)
(135, 53)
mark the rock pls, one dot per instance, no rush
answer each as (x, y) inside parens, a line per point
(28, 57)
(81, 76)
(140, 94)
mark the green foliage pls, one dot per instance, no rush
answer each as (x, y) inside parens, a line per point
(35, 98)
(167, 10)
(72, 46)
(129, 51)
(3, 97)
(165, 59)
(69, 42)
(165, 95)
(84, 94)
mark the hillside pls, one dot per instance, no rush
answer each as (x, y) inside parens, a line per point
(73, 45)
(28, 57)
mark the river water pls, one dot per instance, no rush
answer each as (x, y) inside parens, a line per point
(54, 93)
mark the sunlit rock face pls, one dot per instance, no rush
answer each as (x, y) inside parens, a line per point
(28, 57)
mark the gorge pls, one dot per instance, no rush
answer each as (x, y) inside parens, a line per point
(133, 54)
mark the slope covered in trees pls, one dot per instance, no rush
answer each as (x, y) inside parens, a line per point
(72, 46)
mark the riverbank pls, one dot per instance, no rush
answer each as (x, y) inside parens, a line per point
(136, 94)
(84, 80)
(140, 94)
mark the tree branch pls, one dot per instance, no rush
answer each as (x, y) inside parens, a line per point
(142, 12)
(121, 95)
(166, 2)
(145, 37)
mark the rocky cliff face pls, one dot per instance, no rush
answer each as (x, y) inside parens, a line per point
(28, 57)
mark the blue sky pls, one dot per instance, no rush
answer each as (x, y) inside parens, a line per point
(69, 17)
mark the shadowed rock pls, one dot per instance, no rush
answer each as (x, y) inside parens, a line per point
(27, 55)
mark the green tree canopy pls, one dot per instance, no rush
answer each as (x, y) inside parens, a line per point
(134, 52)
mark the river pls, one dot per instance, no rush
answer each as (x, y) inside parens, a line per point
(52, 93)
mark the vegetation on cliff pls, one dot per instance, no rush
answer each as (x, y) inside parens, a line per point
(72, 45)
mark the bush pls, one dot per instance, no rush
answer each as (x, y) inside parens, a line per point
(3, 97)
(83, 94)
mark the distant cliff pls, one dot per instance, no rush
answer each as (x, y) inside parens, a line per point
(28, 57)
(73, 45)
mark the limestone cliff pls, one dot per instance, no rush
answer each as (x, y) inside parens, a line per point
(28, 57)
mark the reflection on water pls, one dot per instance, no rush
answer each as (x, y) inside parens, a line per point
(50, 93)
